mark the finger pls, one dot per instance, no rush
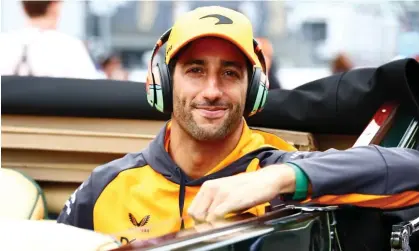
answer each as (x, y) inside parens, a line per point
(202, 227)
(219, 212)
(196, 200)
(230, 206)
(200, 204)
(218, 198)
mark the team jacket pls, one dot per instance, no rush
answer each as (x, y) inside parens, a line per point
(147, 188)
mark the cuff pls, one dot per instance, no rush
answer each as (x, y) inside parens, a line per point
(301, 182)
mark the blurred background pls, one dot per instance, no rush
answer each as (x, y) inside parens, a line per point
(306, 40)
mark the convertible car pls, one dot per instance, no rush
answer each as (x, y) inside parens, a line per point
(55, 131)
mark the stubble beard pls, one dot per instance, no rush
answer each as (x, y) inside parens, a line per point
(186, 121)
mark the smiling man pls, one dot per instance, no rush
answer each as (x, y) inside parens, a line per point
(206, 162)
(208, 104)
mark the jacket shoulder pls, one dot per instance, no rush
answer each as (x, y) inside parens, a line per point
(104, 174)
(273, 140)
(78, 209)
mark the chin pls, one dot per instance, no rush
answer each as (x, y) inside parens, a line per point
(211, 124)
(211, 132)
(209, 137)
(203, 129)
(209, 128)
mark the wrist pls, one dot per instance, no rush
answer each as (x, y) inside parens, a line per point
(301, 183)
(284, 178)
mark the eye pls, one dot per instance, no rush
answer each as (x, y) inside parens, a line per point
(195, 70)
(231, 73)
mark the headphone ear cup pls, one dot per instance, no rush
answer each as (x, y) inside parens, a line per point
(162, 88)
(150, 87)
(257, 93)
(166, 88)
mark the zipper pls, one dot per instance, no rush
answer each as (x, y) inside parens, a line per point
(181, 196)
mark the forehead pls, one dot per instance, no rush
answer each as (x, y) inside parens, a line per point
(212, 48)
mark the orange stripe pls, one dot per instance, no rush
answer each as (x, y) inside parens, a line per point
(159, 43)
(405, 199)
(167, 136)
(253, 166)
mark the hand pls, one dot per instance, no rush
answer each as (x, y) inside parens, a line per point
(218, 197)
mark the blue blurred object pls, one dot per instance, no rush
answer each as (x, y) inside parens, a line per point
(408, 44)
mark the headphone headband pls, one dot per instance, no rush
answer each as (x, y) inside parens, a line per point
(162, 40)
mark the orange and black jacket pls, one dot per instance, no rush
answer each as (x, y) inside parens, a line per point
(148, 190)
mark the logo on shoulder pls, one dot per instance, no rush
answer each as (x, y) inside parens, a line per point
(296, 155)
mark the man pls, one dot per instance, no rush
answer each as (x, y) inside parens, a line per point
(41, 50)
(113, 68)
(211, 78)
(341, 63)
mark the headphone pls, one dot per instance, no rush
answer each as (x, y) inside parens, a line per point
(159, 83)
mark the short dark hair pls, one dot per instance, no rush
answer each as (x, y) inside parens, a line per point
(36, 8)
(174, 59)
(107, 59)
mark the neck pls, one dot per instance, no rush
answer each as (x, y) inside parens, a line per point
(43, 23)
(196, 158)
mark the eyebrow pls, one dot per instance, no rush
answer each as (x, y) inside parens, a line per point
(232, 63)
(224, 63)
(194, 62)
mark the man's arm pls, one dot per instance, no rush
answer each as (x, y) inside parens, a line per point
(370, 176)
(78, 209)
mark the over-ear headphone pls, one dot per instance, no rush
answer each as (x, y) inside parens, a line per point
(159, 83)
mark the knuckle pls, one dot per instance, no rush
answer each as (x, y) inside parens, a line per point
(194, 214)
(210, 185)
(224, 192)
(191, 211)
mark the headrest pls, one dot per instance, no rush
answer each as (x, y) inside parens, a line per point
(20, 196)
(49, 236)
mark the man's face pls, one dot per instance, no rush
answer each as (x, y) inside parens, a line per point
(209, 89)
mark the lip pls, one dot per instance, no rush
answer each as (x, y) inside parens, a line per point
(212, 113)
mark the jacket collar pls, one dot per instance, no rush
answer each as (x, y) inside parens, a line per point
(250, 145)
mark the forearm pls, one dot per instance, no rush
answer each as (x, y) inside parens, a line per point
(292, 182)
(368, 176)
(285, 177)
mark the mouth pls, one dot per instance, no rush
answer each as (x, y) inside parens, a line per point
(212, 112)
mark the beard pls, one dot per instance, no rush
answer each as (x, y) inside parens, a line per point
(182, 112)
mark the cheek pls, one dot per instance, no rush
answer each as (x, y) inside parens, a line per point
(184, 91)
(236, 95)
(244, 92)
(181, 96)
(241, 95)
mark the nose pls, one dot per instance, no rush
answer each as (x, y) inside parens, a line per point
(212, 89)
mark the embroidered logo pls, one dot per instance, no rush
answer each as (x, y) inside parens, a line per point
(221, 19)
(134, 221)
(295, 155)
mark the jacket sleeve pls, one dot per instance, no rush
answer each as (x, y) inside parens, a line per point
(78, 209)
(366, 176)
